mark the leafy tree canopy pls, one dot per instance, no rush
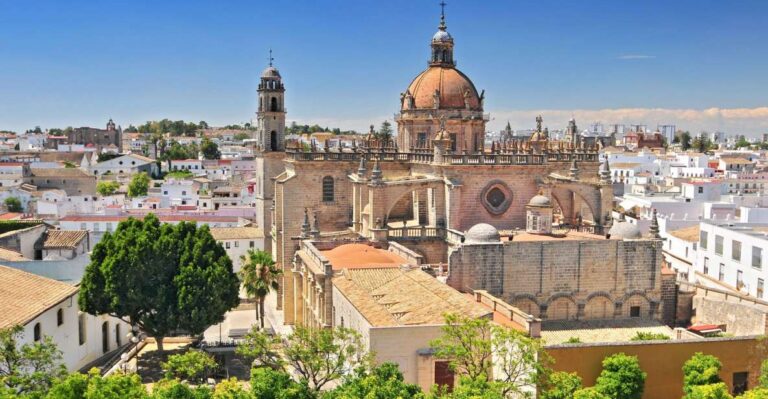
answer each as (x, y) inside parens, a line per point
(621, 377)
(209, 149)
(107, 187)
(13, 204)
(700, 369)
(192, 284)
(139, 185)
(193, 365)
(28, 368)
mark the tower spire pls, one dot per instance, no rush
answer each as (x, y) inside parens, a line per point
(270, 57)
(442, 15)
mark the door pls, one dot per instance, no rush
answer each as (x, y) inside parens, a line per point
(444, 375)
(105, 337)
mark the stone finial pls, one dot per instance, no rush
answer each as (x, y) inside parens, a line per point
(315, 232)
(605, 172)
(376, 174)
(305, 226)
(654, 228)
(573, 173)
(361, 169)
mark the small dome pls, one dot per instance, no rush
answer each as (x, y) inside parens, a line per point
(540, 201)
(624, 230)
(442, 36)
(270, 72)
(482, 232)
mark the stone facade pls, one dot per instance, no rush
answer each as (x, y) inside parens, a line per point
(566, 279)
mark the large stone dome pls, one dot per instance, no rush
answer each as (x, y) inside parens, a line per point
(452, 85)
(482, 233)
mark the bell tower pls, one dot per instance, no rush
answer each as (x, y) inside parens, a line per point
(270, 117)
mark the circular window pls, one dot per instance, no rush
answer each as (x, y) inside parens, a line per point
(496, 197)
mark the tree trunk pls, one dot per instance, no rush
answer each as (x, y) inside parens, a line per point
(159, 341)
(256, 309)
(261, 310)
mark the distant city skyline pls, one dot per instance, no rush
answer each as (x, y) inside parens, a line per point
(694, 64)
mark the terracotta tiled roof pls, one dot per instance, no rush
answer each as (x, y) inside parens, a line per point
(236, 233)
(11, 256)
(63, 238)
(394, 297)
(690, 234)
(451, 84)
(163, 218)
(358, 256)
(740, 161)
(24, 296)
(60, 172)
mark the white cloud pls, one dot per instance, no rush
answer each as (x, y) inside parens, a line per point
(635, 57)
(749, 121)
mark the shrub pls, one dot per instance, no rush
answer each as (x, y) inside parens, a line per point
(193, 365)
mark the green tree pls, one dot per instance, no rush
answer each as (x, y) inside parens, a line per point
(561, 385)
(385, 132)
(591, 393)
(259, 275)
(193, 365)
(763, 381)
(139, 185)
(107, 187)
(685, 141)
(209, 149)
(242, 136)
(469, 388)
(742, 142)
(230, 389)
(29, 368)
(471, 345)
(700, 369)
(173, 389)
(649, 336)
(317, 356)
(268, 383)
(384, 381)
(192, 284)
(94, 386)
(757, 393)
(13, 204)
(202, 125)
(709, 391)
(131, 129)
(621, 377)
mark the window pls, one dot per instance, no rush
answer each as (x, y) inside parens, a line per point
(719, 245)
(736, 250)
(739, 279)
(701, 190)
(118, 338)
(328, 189)
(226, 244)
(37, 333)
(60, 317)
(757, 257)
(252, 244)
(634, 311)
(109, 226)
(81, 333)
(760, 288)
(740, 384)
(237, 244)
(183, 193)
(82, 226)
(706, 265)
(721, 275)
(703, 236)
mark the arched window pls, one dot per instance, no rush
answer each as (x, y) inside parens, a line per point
(60, 317)
(273, 104)
(37, 333)
(118, 338)
(327, 189)
(81, 328)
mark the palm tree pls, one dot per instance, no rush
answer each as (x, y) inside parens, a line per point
(259, 275)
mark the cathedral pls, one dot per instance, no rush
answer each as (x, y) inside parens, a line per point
(440, 191)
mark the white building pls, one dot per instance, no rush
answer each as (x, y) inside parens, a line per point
(46, 307)
(237, 241)
(734, 254)
(125, 165)
(178, 192)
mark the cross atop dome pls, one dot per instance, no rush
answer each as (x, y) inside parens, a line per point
(442, 15)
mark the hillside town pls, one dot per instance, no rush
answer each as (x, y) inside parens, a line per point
(429, 255)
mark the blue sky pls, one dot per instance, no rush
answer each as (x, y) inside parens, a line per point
(700, 64)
